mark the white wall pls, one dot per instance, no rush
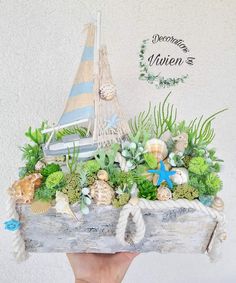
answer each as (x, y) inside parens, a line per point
(39, 51)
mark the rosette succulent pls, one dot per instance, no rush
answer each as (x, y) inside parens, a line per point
(49, 169)
(133, 153)
(198, 165)
(176, 159)
(55, 180)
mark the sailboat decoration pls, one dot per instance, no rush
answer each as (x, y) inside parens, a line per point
(92, 103)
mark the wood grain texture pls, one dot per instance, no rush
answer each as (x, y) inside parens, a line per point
(177, 230)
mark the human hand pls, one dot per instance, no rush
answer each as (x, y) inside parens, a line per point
(100, 268)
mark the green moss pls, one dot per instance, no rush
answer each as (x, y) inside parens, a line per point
(121, 200)
(213, 184)
(198, 165)
(185, 191)
(72, 188)
(45, 193)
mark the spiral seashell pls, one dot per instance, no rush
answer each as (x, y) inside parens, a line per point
(158, 148)
(180, 177)
(164, 193)
(218, 204)
(102, 175)
(102, 193)
(107, 91)
(181, 142)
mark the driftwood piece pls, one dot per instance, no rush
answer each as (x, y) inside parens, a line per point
(177, 230)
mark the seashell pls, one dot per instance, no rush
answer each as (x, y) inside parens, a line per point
(107, 91)
(102, 193)
(102, 175)
(218, 204)
(181, 142)
(181, 176)
(62, 204)
(39, 165)
(158, 148)
(23, 190)
(134, 200)
(166, 136)
(39, 206)
(164, 193)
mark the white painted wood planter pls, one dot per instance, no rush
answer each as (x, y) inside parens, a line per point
(180, 229)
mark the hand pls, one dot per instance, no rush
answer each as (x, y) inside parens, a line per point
(100, 268)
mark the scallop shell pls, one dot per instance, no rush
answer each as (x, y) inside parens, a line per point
(23, 190)
(102, 175)
(39, 206)
(107, 91)
(164, 193)
(158, 148)
(102, 193)
(180, 177)
(218, 204)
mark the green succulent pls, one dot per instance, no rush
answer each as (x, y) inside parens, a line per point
(121, 179)
(133, 153)
(49, 169)
(185, 191)
(176, 159)
(91, 166)
(121, 200)
(146, 189)
(31, 154)
(151, 160)
(213, 183)
(55, 180)
(198, 166)
(45, 193)
(106, 157)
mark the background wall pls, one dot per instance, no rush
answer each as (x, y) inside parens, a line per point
(40, 44)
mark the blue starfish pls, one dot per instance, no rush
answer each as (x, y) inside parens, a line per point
(112, 122)
(163, 175)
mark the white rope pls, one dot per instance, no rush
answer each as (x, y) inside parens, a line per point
(134, 208)
(18, 241)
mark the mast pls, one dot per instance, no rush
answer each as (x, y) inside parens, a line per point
(97, 78)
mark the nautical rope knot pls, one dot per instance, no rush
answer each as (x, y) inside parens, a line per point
(134, 209)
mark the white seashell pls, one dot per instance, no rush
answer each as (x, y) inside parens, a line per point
(122, 162)
(62, 204)
(39, 165)
(158, 148)
(164, 193)
(180, 177)
(102, 193)
(218, 204)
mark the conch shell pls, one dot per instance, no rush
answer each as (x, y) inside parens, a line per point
(164, 193)
(62, 204)
(181, 142)
(158, 148)
(180, 177)
(218, 204)
(102, 193)
(23, 190)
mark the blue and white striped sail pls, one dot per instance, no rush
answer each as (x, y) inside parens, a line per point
(80, 104)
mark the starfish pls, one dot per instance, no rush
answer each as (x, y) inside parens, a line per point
(163, 175)
(112, 122)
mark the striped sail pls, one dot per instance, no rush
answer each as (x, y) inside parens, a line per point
(80, 104)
